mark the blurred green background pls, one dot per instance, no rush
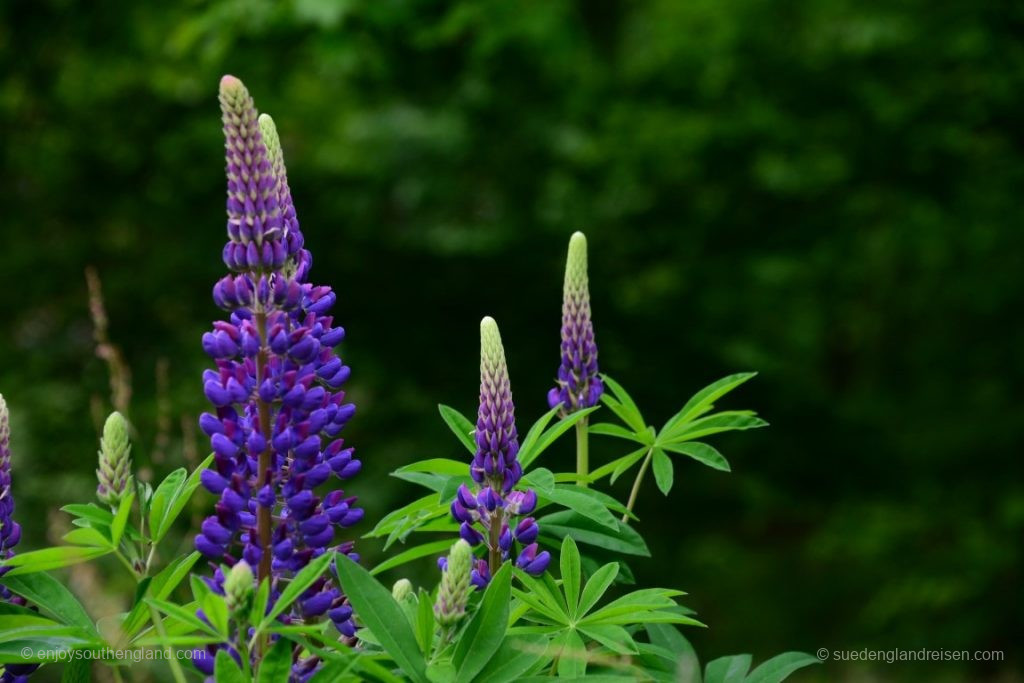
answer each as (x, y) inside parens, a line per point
(828, 192)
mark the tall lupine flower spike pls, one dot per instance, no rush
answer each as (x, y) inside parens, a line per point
(10, 534)
(115, 470)
(579, 385)
(453, 595)
(488, 514)
(276, 390)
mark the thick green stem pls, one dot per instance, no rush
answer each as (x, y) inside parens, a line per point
(636, 485)
(582, 453)
(179, 675)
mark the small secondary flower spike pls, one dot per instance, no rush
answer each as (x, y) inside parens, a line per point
(487, 514)
(453, 595)
(579, 384)
(276, 388)
(115, 470)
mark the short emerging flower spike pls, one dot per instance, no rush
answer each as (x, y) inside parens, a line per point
(579, 383)
(115, 470)
(487, 513)
(453, 594)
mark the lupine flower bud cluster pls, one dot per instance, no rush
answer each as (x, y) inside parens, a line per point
(489, 514)
(115, 470)
(579, 383)
(10, 534)
(238, 588)
(276, 387)
(453, 594)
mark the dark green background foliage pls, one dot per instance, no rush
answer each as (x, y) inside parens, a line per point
(827, 192)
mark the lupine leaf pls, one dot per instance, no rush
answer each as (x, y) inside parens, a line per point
(276, 666)
(596, 586)
(516, 656)
(726, 421)
(411, 554)
(88, 536)
(485, 631)
(677, 657)
(184, 615)
(164, 512)
(609, 429)
(572, 654)
(379, 611)
(623, 463)
(225, 669)
(51, 558)
(298, 585)
(569, 559)
(626, 407)
(623, 539)
(701, 452)
(571, 497)
(541, 479)
(536, 429)
(460, 426)
(778, 668)
(613, 637)
(730, 669)
(259, 602)
(425, 623)
(77, 671)
(703, 401)
(90, 512)
(52, 598)
(551, 434)
(216, 611)
(663, 474)
(121, 518)
(159, 587)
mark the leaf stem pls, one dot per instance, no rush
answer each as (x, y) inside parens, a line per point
(582, 453)
(636, 484)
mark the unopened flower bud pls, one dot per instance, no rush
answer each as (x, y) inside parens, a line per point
(115, 470)
(238, 588)
(453, 595)
(401, 590)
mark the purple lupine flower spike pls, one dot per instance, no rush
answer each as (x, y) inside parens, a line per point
(10, 534)
(276, 388)
(487, 515)
(579, 383)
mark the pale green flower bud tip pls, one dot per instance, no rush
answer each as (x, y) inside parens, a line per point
(231, 84)
(492, 353)
(460, 558)
(576, 264)
(271, 140)
(238, 587)
(453, 595)
(402, 590)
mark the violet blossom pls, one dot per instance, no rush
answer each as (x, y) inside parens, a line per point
(489, 514)
(276, 388)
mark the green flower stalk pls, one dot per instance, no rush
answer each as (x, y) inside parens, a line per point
(453, 595)
(238, 589)
(115, 471)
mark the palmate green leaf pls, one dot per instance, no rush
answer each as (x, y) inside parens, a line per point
(52, 558)
(259, 602)
(623, 539)
(88, 536)
(460, 426)
(185, 614)
(589, 506)
(297, 586)
(663, 473)
(672, 652)
(608, 429)
(384, 617)
(159, 587)
(486, 629)
(540, 479)
(726, 421)
(167, 505)
(701, 452)
(572, 654)
(779, 668)
(529, 453)
(276, 666)
(54, 639)
(618, 466)
(612, 636)
(53, 599)
(703, 401)
(517, 656)
(414, 553)
(226, 669)
(451, 486)
(91, 513)
(533, 434)
(400, 523)
(730, 669)
(623, 405)
(569, 559)
(596, 586)
(431, 473)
